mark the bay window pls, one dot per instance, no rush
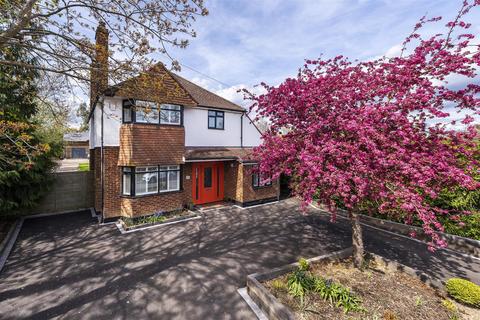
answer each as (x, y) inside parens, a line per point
(139, 111)
(145, 180)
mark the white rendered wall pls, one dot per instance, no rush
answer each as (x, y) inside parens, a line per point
(112, 119)
(197, 133)
(195, 122)
(251, 135)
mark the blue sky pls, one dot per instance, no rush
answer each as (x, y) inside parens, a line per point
(242, 43)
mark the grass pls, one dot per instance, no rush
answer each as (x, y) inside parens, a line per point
(84, 166)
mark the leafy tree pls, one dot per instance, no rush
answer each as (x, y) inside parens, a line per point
(58, 34)
(82, 114)
(371, 131)
(25, 159)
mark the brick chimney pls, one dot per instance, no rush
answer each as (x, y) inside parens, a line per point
(99, 66)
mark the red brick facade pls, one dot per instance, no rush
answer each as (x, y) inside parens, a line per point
(147, 144)
(239, 187)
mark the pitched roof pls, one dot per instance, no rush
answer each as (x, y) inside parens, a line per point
(76, 136)
(204, 97)
(201, 96)
(211, 153)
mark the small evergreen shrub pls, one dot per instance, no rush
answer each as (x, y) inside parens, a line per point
(464, 291)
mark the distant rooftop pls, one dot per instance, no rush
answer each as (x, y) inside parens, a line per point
(76, 136)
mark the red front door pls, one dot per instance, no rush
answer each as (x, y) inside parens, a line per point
(207, 182)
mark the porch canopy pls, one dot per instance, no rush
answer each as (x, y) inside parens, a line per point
(199, 154)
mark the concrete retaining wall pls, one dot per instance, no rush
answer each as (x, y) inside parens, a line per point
(457, 243)
(70, 191)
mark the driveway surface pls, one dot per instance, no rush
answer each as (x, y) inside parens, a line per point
(69, 267)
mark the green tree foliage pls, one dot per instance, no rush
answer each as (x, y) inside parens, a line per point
(25, 158)
(83, 113)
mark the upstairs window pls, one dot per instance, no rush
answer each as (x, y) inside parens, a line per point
(146, 112)
(216, 119)
(170, 114)
(139, 111)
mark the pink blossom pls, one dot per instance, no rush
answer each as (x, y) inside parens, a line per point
(357, 132)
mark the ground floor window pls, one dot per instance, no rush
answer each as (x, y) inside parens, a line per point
(137, 181)
(259, 180)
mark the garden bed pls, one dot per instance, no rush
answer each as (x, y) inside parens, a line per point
(129, 224)
(384, 290)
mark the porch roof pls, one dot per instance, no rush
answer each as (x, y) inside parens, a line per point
(218, 153)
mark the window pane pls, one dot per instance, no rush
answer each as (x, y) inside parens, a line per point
(163, 181)
(151, 168)
(127, 181)
(174, 167)
(220, 114)
(207, 178)
(170, 106)
(140, 184)
(141, 169)
(220, 123)
(152, 183)
(173, 180)
(175, 117)
(163, 168)
(211, 122)
(145, 183)
(146, 112)
(127, 115)
(255, 180)
(164, 116)
(211, 113)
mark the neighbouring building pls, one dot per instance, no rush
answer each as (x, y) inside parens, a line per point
(159, 142)
(76, 145)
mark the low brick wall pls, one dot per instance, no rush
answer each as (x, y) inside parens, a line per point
(70, 191)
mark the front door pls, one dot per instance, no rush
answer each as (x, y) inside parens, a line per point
(207, 183)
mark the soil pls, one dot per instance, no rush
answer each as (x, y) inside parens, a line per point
(385, 294)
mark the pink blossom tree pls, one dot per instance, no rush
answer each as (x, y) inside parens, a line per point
(358, 133)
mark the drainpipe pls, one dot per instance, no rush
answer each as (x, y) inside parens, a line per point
(102, 158)
(241, 130)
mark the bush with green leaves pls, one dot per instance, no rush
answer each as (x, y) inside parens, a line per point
(464, 291)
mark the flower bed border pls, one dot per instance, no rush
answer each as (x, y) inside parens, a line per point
(123, 228)
(275, 310)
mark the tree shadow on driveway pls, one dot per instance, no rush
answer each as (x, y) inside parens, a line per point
(67, 266)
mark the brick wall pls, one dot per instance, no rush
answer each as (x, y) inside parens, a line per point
(117, 205)
(112, 181)
(146, 144)
(238, 185)
(251, 194)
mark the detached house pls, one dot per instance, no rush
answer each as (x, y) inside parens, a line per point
(159, 142)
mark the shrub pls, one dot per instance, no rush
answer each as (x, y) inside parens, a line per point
(464, 291)
(301, 281)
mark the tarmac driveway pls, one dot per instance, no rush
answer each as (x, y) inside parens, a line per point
(70, 267)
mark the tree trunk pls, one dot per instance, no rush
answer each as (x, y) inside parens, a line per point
(357, 239)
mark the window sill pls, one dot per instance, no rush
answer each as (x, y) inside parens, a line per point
(150, 194)
(262, 187)
(216, 129)
(154, 124)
